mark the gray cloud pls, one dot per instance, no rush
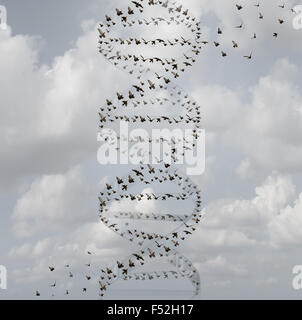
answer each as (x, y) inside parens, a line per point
(250, 235)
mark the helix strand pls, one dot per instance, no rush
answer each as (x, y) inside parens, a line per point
(154, 88)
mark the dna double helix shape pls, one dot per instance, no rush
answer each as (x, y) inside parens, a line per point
(132, 206)
(145, 102)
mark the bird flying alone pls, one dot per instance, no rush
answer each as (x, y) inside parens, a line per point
(248, 57)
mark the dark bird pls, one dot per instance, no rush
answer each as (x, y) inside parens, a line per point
(167, 249)
(235, 44)
(119, 12)
(102, 34)
(151, 169)
(138, 257)
(138, 173)
(138, 89)
(240, 26)
(137, 4)
(131, 264)
(151, 85)
(103, 287)
(152, 253)
(119, 96)
(119, 181)
(249, 57)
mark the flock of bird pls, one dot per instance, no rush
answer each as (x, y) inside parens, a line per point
(154, 245)
(175, 152)
(135, 99)
(69, 274)
(145, 94)
(154, 88)
(240, 8)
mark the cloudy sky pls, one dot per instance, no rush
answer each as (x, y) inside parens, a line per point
(52, 82)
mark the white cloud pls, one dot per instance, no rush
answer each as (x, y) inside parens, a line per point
(219, 266)
(265, 219)
(270, 131)
(54, 201)
(31, 261)
(244, 170)
(272, 196)
(48, 124)
(207, 239)
(264, 124)
(218, 100)
(236, 224)
(49, 113)
(285, 229)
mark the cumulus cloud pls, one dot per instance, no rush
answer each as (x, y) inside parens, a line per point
(285, 229)
(31, 261)
(49, 113)
(267, 219)
(270, 130)
(54, 201)
(220, 100)
(272, 196)
(264, 124)
(48, 125)
(219, 266)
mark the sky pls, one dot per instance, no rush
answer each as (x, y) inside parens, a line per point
(53, 81)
